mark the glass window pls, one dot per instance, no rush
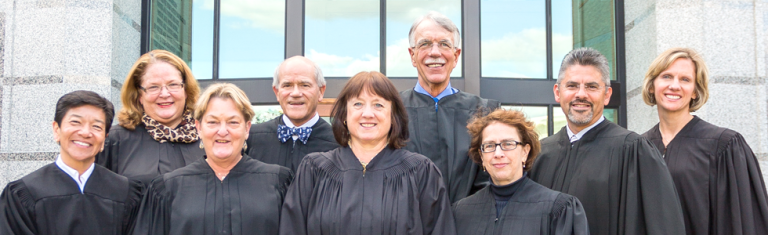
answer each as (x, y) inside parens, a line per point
(560, 120)
(172, 30)
(342, 36)
(562, 33)
(513, 38)
(265, 113)
(593, 26)
(251, 38)
(538, 115)
(400, 17)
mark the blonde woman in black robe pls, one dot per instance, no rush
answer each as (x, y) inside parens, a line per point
(716, 174)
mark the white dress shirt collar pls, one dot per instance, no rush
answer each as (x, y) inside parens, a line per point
(79, 179)
(574, 137)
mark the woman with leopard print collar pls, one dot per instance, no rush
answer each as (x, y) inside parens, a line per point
(156, 132)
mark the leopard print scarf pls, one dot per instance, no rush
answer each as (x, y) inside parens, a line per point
(184, 133)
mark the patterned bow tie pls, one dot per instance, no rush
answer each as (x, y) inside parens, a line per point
(284, 132)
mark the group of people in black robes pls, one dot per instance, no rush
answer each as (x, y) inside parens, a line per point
(428, 160)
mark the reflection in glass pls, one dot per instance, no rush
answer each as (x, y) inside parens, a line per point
(513, 38)
(265, 113)
(400, 16)
(172, 30)
(560, 120)
(593, 26)
(252, 38)
(538, 115)
(342, 36)
(562, 32)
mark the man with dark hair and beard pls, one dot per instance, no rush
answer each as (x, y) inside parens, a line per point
(620, 178)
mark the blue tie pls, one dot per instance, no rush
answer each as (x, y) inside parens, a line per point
(284, 132)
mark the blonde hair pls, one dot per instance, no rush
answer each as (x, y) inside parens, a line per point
(132, 112)
(663, 62)
(224, 91)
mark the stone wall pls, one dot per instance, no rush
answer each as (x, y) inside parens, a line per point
(49, 48)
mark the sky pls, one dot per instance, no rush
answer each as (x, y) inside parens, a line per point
(343, 36)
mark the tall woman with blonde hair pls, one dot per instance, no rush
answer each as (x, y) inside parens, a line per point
(716, 174)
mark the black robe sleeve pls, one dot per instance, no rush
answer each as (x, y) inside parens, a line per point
(741, 206)
(437, 216)
(568, 216)
(132, 203)
(154, 215)
(293, 217)
(17, 210)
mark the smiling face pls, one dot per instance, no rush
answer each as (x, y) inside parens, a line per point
(582, 96)
(675, 87)
(165, 107)
(369, 118)
(504, 167)
(81, 134)
(297, 91)
(434, 65)
(223, 129)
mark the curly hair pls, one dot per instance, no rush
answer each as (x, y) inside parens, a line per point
(513, 118)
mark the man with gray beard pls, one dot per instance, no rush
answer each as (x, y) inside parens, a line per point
(620, 178)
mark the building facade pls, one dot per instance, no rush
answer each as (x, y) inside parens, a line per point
(511, 51)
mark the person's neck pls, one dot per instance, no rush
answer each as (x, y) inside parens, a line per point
(298, 123)
(222, 166)
(366, 151)
(80, 166)
(576, 128)
(172, 124)
(671, 123)
(433, 89)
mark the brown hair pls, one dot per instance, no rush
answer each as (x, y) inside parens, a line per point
(513, 118)
(132, 111)
(663, 62)
(377, 84)
(224, 91)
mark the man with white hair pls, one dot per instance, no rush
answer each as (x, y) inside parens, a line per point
(438, 113)
(299, 86)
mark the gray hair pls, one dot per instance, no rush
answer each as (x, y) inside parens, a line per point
(441, 20)
(318, 73)
(586, 56)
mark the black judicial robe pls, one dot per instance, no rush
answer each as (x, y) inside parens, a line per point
(135, 154)
(264, 146)
(192, 200)
(619, 177)
(533, 209)
(48, 201)
(398, 192)
(443, 138)
(718, 179)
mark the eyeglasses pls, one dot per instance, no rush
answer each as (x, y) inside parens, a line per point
(154, 90)
(505, 146)
(425, 45)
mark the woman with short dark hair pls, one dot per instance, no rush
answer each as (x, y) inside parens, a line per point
(716, 174)
(369, 185)
(505, 144)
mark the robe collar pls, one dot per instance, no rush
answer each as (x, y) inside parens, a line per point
(575, 137)
(71, 172)
(382, 160)
(287, 121)
(588, 136)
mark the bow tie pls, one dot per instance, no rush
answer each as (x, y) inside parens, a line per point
(284, 132)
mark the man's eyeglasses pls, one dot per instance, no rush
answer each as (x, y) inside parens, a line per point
(427, 45)
(505, 146)
(154, 90)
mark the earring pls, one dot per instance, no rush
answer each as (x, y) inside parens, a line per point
(345, 123)
(245, 145)
(484, 169)
(201, 145)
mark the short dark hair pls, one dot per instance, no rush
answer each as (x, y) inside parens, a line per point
(586, 56)
(80, 98)
(377, 84)
(513, 118)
